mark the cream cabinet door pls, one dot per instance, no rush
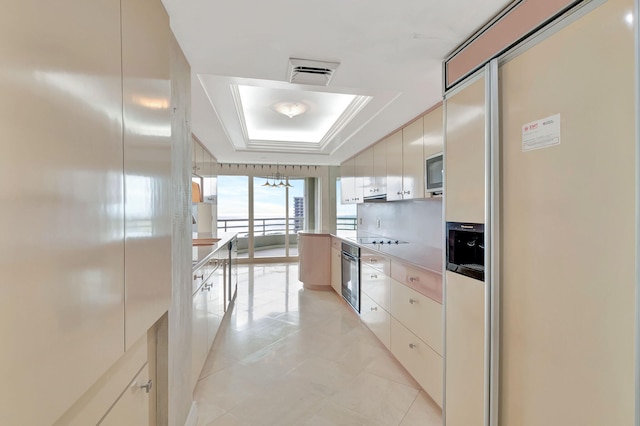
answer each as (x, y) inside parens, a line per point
(364, 174)
(433, 136)
(147, 165)
(376, 318)
(198, 333)
(394, 166)
(420, 360)
(132, 408)
(336, 270)
(464, 162)
(62, 204)
(380, 167)
(412, 161)
(347, 182)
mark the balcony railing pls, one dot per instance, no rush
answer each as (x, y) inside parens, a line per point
(277, 225)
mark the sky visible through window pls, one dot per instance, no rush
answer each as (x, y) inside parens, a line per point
(233, 199)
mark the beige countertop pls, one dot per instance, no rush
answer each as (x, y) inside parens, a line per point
(202, 253)
(421, 256)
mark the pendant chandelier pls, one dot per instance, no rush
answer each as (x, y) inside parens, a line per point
(281, 179)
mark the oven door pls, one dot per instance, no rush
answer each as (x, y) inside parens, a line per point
(351, 280)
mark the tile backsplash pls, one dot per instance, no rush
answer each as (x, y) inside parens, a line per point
(416, 221)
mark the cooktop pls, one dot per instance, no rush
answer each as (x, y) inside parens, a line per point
(379, 240)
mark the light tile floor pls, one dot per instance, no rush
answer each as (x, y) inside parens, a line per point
(289, 356)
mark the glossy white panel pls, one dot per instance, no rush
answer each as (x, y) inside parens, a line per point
(61, 251)
(147, 163)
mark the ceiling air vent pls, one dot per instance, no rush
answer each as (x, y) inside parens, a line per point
(317, 73)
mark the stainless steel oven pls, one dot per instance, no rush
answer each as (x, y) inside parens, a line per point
(351, 275)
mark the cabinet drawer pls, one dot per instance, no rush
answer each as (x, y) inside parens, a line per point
(375, 260)
(423, 281)
(376, 285)
(422, 362)
(376, 318)
(421, 315)
(336, 243)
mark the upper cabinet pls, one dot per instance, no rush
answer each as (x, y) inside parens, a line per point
(364, 173)
(405, 158)
(412, 161)
(380, 168)
(433, 135)
(394, 166)
(347, 182)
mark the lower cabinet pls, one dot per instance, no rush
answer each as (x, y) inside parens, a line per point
(376, 318)
(133, 406)
(211, 299)
(336, 270)
(418, 313)
(420, 360)
(199, 338)
(406, 321)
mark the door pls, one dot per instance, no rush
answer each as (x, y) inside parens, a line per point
(568, 227)
(465, 297)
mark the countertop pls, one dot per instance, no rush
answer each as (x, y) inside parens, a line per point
(421, 256)
(202, 253)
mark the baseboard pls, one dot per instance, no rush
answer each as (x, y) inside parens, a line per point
(192, 418)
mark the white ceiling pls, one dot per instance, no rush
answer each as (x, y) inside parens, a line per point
(390, 54)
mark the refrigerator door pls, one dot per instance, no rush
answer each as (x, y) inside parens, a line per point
(568, 249)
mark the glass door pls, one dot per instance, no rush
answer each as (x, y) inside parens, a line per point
(278, 211)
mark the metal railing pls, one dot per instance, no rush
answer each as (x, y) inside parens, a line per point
(277, 225)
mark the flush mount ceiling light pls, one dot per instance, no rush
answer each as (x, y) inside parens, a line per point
(290, 109)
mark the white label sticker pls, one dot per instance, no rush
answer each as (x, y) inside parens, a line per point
(541, 133)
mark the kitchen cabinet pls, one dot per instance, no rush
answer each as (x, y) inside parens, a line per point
(348, 181)
(405, 163)
(364, 173)
(199, 338)
(336, 265)
(394, 166)
(314, 260)
(418, 313)
(132, 408)
(420, 360)
(376, 318)
(401, 305)
(147, 166)
(380, 168)
(433, 134)
(375, 290)
(214, 288)
(413, 160)
(465, 159)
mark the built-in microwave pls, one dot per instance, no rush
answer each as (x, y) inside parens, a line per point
(465, 249)
(434, 174)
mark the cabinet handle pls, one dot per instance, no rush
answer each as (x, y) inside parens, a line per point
(414, 279)
(147, 387)
(407, 192)
(374, 308)
(412, 346)
(374, 277)
(399, 193)
(412, 301)
(201, 276)
(373, 260)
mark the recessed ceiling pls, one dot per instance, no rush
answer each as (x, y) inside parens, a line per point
(389, 53)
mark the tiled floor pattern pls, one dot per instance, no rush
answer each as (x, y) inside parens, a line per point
(290, 356)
